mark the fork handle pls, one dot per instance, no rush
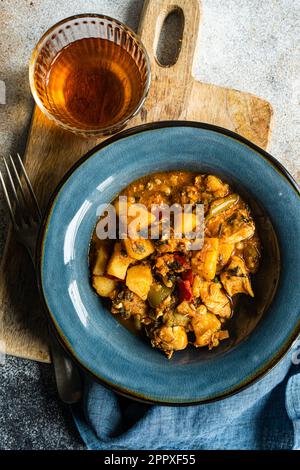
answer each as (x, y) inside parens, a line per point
(68, 379)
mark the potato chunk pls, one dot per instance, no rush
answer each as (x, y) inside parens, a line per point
(236, 278)
(185, 223)
(196, 286)
(119, 262)
(139, 280)
(104, 286)
(101, 259)
(204, 262)
(139, 218)
(205, 325)
(207, 329)
(216, 186)
(138, 249)
(225, 252)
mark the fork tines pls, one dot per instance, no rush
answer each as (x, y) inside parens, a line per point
(20, 197)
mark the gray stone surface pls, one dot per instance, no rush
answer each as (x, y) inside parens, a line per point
(31, 416)
(251, 45)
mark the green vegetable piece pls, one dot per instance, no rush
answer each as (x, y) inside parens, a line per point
(223, 204)
(158, 293)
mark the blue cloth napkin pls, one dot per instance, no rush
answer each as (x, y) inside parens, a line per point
(264, 416)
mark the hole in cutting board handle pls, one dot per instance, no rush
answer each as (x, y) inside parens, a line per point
(170, 38)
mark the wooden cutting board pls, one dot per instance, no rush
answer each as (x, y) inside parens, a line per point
(51, 151)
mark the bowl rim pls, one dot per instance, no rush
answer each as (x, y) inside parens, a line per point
(279, 167)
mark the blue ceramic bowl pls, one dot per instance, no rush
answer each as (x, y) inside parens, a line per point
(262, 333)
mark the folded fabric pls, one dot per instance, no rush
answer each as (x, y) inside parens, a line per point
(263, 416)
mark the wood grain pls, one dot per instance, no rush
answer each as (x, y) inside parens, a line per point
(50, 152)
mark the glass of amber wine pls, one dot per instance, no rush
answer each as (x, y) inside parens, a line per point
(90, 74)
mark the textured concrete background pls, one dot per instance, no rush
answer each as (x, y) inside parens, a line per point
(251, 45)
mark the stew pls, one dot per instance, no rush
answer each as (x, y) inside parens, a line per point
(176, 294)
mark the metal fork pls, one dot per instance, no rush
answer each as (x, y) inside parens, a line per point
(26, 217)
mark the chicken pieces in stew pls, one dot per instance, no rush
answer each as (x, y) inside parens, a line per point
(180, 296)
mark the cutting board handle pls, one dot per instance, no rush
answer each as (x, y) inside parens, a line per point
(153, 17)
